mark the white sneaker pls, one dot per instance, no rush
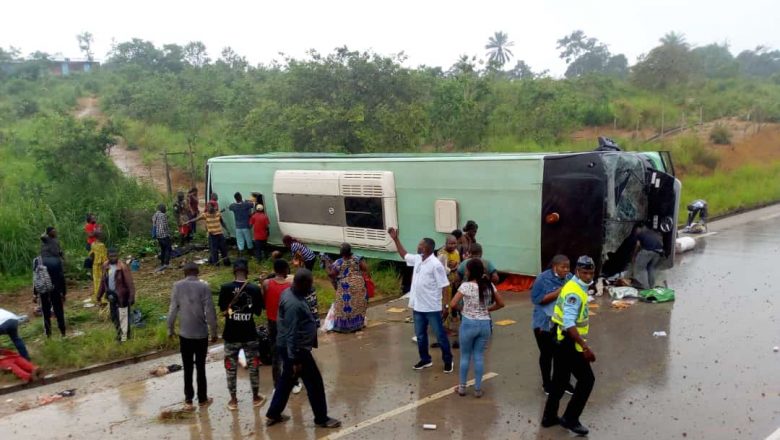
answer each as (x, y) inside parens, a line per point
(414, 339)
(297, 388)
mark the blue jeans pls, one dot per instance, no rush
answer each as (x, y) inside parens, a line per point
(11, 328)
(474, 337)
(421, 320)
(244, 239)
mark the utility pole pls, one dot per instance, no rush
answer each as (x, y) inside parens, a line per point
(167, 174)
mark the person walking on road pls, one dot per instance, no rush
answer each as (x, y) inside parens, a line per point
(479, 297)
(573, 356)
(116, 282)
(240, 301)
(242, 210)
(191, 302)
(9, 325)
(647, 254)
(296, 338)
(260, 229)
(53, 299)
(163, 235)
(429, 284)
(544, 293)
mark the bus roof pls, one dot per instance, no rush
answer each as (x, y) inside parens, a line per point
(390, 157)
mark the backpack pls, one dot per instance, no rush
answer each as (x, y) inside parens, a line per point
(41, 279)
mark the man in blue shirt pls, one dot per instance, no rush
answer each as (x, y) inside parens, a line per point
(242, 210)
(543, 294)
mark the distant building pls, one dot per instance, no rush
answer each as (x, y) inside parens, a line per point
(57, 67)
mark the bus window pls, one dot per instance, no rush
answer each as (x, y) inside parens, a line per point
(364, 212)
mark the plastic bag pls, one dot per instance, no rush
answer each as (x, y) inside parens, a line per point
(330, 319)
(657, 295)
(622, 292)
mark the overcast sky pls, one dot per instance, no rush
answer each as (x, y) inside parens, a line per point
(430, 32)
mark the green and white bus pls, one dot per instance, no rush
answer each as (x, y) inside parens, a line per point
(529, 207)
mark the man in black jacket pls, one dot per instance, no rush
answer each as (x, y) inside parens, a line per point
(297, 336)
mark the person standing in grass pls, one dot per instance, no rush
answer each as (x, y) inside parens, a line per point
(351, 301)
(99, 255)
(163, 235)
(9, 325)
(300, 252)
(91, 229)
(181, 211)
(480, 297)
(217, 242)
(52, 259)
(193, 211)
(116, 282)
(240, 301)
(242, 210)
(191, 302)
(260, 226)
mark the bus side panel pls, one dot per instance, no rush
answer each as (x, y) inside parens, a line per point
(574, 187)
(503, 197)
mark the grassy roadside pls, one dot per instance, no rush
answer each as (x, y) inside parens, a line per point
(96, 340)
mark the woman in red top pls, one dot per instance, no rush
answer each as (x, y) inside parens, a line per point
(91, 229)
(260, 224)
(272, 293)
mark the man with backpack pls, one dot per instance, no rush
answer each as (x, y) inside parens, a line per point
(240, 301)
(49, 281)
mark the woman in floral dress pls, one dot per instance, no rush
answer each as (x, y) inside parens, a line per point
(351, 300)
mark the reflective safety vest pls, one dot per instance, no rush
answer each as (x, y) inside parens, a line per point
(572, 288)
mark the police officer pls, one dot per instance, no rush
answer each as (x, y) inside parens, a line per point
(572, 354)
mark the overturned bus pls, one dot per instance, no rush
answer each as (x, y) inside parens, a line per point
(529, 206)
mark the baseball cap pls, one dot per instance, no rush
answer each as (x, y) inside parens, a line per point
(585, 262)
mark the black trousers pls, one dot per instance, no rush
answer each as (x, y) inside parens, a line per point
(702, 212)
(568, 361)
(54, 301)
(193, 354)
(260, 249)
(546, 343)
(166, 247)
(218, 245)
(309, 264)
(276, 361)
(311, 377)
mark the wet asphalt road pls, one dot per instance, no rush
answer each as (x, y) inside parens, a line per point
(714, 377)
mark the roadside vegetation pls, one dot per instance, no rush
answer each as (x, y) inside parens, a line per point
(54, 167)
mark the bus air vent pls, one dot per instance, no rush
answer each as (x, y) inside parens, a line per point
(365, 234)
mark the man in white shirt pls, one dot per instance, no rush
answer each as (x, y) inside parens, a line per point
(429, 284)
(9, 325)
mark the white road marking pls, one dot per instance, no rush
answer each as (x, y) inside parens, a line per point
(382, 417)
(775, 435)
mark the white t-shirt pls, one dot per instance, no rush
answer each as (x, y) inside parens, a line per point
(5, 315)
(428, 279)
(472, 308)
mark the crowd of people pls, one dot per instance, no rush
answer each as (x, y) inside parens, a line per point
(453, 292)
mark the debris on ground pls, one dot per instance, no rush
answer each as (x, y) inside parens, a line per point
(657, 295)
(506, 322)
(172, 415)
(621, 304)
(396, 310)
(429, 426)
(660, 334)
(775, 348)
(45, 400)
(162, 370)
(622, 292)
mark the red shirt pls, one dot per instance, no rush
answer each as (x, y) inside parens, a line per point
(260, 222)
(272, 296)
(89, 228)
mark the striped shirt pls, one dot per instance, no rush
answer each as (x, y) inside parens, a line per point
(300, 248)
(160, 223)
(213, 223)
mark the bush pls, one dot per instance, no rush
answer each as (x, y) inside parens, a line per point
(720, 135)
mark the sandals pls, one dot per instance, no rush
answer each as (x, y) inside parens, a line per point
(232, 405)
(258, 400)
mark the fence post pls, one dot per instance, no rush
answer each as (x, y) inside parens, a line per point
(167, 174)
(192, 163)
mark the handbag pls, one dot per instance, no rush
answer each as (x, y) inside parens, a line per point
(370, 286)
